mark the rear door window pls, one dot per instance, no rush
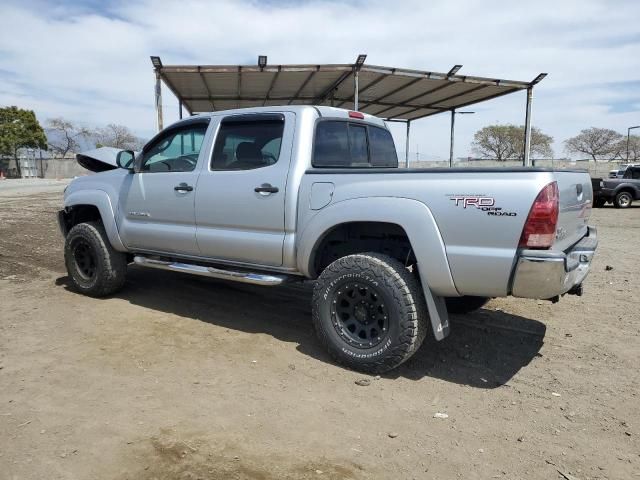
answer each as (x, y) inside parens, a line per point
(246, 143)
(345, 144)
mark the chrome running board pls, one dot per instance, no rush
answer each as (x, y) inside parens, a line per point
(244, 277)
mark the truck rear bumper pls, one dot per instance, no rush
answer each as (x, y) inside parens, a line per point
(546, 274)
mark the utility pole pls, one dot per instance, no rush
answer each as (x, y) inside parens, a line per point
(628, 138)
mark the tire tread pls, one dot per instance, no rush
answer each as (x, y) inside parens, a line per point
(112, 277)
(407, 294)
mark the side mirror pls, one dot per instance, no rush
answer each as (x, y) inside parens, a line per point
(125, 159)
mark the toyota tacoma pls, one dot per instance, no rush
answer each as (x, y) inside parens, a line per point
(278, 194)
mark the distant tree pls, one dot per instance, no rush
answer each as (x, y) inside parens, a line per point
(634, 148)
(63, 136)
(597, 143)
(117, 136)
(494, 141)
(503, 142)
(540, 143)
(19, 128)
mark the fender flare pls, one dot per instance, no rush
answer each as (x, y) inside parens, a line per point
(631, 188)
(417, 221)
(413, 216)
(100, 200)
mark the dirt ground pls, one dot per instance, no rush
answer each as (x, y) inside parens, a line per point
(179, 377)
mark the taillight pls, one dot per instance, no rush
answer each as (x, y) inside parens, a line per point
(539, 231)
(353, 114)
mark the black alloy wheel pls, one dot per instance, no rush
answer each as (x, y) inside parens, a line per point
(85, 259)
(359, 314)
(94, 266)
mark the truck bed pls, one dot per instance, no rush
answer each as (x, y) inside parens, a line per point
(479, 212)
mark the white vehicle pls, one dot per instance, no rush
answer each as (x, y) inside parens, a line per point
(620, 171)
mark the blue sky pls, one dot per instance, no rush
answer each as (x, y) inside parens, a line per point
(88, 60)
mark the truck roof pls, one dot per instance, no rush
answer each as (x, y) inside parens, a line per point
(321, 111)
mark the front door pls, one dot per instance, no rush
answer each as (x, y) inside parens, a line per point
(240, 201)
(157, 203)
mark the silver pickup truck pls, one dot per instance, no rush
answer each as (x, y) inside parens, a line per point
(277, 194)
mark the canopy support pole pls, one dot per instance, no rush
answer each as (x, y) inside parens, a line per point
(159, 100)
(527, 129)
(406, 148)
(355, 93)
(180, 109)
(453, 126)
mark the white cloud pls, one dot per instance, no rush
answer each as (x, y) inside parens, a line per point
(91, 64)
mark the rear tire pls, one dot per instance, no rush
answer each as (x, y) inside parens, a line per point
(95, 268)
(466, 304)
(369, 312)
(623, 200)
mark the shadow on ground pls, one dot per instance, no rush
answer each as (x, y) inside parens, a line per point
(635, 204)
(484, 350)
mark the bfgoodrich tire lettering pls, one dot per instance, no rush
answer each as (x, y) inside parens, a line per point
(388, 309)
(95, 268)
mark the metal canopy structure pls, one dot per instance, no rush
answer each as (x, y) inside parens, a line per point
(394, 94)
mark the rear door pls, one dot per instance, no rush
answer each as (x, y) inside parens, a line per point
(240, 199)
(157, 201)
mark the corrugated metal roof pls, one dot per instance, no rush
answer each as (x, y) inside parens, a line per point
(387, 92)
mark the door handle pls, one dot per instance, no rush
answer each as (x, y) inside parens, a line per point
(183, 187)
(266, 189)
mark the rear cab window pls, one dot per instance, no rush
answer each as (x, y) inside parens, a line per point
(348, 144)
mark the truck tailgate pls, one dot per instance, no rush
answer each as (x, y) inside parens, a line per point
(576, 197)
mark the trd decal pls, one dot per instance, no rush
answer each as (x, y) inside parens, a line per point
(482, 203)
(477, 202)
(498, 212)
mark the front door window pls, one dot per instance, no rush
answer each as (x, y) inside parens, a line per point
(177, 151)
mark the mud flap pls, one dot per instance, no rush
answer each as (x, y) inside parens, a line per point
(62, 224)
(438, 314)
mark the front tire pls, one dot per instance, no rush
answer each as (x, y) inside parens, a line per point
(369, 312)
(623, 200)
(95, 268)
(599, 202)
